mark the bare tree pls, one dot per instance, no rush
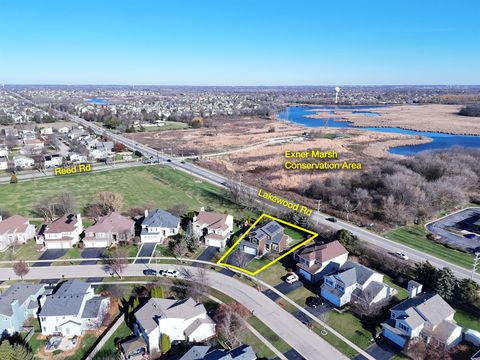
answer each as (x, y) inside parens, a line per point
(46, 208)
(349, 207)
(105, 203)
(231, 320)
(117, 261)
(66, 202)
(21, 268)
(199, 286)
(11, 141)
(180, 248)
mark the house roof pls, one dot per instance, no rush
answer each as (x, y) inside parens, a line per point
(196, 324)
(134, 344)
(155, 309)
(161, 218)
(92, 307)
(212, 220)
(435, 310)
(322, 252)
(20, 292)
(352, 272)
(12, 224)
(67, 300)
(66, 223)
(113, 222)
(445, 329)
(198, 352)
(271, 229)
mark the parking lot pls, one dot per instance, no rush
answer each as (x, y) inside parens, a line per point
(450, 229)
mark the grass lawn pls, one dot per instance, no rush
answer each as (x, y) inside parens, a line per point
(273, 274)
(273, 338)
(160, 186)
(301, 294)
(466, 320)
(350, 326)
(402, 293)
(334, 341)
(27, 251)
(296, 235)
(414, 236)
(169, 125)
(109, 348)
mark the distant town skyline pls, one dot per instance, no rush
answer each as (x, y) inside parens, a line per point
(239, 43)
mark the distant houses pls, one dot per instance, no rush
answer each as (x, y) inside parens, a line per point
(355, 282)
(61, 233)
(158, 225)
(17, 304)
(72, 309)
(268, 238)
(199, 352)
(109, 230)
(316, 260)
(214, 228)
(423, 316)
(15, 229)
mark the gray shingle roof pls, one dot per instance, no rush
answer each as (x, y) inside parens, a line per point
(67, 300)
(243, 352)
(92, 307)
(161, 218)
(352, 272)
(20, 292)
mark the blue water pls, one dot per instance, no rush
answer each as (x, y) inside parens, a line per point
(440, 141)
(99, 101)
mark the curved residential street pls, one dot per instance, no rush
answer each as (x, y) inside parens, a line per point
(310, 345)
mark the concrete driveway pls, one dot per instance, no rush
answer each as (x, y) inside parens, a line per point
(284, 288)
(91, 253)
(50, 254)
(146, 250)
(382, 349)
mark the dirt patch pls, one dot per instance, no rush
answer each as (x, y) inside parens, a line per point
(432, 118)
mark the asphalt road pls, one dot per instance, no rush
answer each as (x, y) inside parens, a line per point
(307, 343)
(364, 235)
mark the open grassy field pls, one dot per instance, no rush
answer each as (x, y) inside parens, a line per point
(414, 236)
(154, 185)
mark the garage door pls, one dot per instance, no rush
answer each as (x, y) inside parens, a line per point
(249, 250)
(96, 244)
(305, 274)
(54, 245)
(66, 245)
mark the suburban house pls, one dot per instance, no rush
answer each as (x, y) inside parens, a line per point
(199, 352)
(61, 233)
(133, 349)
(17, 304)
(158, 225)
(15, 229)
(3, 163)
(32, 145)
(355, 282)
(101, 150)
(180, 320)
(109, 230)
(268, 238)
(317, 260)
(23, 162)
(423, 316)
(214, 228)
(72, 309)
(52, 161)
(46, 131)
(77, 158)
(4, 152)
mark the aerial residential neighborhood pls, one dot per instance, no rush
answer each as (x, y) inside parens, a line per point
(239, 180)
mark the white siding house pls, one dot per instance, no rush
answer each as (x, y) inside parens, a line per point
(214, 228)
(158, 225)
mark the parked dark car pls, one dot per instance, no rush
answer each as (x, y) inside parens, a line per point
(331, 219)
(150, 272)
(314, 302)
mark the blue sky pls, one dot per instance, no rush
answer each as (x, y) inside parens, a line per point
(233, 42)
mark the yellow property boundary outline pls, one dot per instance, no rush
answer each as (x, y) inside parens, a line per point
(220, 262)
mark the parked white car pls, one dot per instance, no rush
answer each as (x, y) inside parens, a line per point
(169, 273)
(291, 278)
(401, 255)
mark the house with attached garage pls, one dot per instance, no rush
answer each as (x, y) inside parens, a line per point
(355, 282)
(23, 162)
(268, 238)
(214, 228)
(17, 304)
(72, 310)
(199, 352)
(180, 320)
(61, 233)
(317, 260)
(423, 316)
(158, 225)
(15, 229)
(3, 163)
(109, 230)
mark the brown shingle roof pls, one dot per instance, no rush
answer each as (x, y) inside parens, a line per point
(212, 220)
(322, 253)
(15, 222)
(111, 223)
(64, 224)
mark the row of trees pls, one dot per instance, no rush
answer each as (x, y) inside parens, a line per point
(403, 191)
(470, 110)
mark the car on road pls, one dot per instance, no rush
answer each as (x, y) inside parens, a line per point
(169, 160)
(291, 278)
(470, 236)
(331, 219)
(150, 272)
(169, 273)
(182, 162)
(401, 255)
(314, 301)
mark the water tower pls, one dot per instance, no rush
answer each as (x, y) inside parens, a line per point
(337, 90)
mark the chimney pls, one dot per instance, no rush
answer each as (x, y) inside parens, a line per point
(146, 212)
(414, 289)
(202, 209)
(1, 218)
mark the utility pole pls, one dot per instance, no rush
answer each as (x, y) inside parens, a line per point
(476, 262)
(319, 203)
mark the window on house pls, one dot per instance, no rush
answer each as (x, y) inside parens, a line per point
(172, 231)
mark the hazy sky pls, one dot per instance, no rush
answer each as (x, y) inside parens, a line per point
(240, 42)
